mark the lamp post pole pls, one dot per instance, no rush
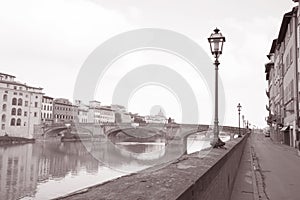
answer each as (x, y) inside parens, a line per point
(216, 41)
(216, 123)
(239, 110)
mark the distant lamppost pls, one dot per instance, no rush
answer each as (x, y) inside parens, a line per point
(239, 110)
(216, 41)
(243, 120)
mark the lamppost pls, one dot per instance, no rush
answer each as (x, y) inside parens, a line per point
(216, 41)
(239, 109)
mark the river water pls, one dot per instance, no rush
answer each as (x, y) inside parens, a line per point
(50, 169)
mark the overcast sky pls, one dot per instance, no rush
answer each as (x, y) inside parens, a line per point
(45, 43)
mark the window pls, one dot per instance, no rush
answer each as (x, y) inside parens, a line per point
(20, 102)
(5, 97)
(14, 101)
(21, 94)
(13, 111)
(35, 114)
(36, 97)
(13, 122)
(19, 122)
(26, 103)
(25, 113)
(4, 107)
(3, 126)
(19, 112)
(36, 104)
(3, 118)
(20, 88)
(15, 87)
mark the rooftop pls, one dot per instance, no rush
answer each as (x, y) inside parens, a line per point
(284, 24)
(3, 74)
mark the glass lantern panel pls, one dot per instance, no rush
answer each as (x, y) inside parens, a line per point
(216, 45)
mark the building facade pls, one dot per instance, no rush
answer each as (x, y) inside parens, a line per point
(282, 74)
(107, 115)
(121, 114)
(20, 107)
(47, 109)
(82, 112)
(94, 114)
(64, 110)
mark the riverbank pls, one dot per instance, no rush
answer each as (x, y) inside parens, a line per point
(5, 140)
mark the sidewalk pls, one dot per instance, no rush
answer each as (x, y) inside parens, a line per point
(267, 171)
(243, 188)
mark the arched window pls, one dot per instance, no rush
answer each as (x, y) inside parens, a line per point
(4, 107)
(14, 101)
(19, 111)
(13, 111)
(18, 122)
(12, 121)
(5, 97)
(20, 101)
(3, 118)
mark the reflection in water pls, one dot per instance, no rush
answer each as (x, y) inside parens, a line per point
(18, 172)
(51, 169)
(197, 142)
(143, 150)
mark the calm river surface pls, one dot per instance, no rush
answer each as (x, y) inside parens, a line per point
(46, 170)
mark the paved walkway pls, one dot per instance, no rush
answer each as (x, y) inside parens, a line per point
(268, 171)
(243, 187)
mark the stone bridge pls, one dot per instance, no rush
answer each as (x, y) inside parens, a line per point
(168, 131)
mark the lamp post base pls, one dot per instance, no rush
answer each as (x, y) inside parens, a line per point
(217, 143)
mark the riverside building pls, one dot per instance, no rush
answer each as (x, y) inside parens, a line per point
(47, 110)
(282, 74)
(20, 107)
